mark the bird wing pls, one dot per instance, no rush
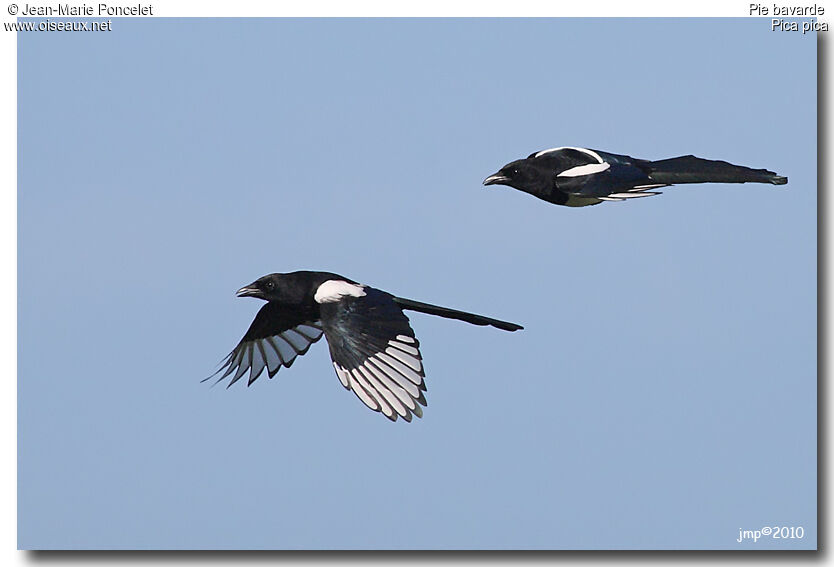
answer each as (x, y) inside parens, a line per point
(589, 175)
(375, 353)
(276, 337)
(616, 179)
(613, 178)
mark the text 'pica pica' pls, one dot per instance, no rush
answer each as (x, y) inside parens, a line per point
(578, 177)
(373, 348)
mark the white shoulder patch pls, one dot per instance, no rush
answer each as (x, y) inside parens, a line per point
(591, 153)
(333, 290)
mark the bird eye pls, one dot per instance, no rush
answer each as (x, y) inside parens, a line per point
(270, 286)
(515, 171)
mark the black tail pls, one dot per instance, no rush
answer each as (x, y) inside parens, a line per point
(690, 169)
(455, 314)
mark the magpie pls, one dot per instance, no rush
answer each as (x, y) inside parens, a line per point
(578, 177)
(372, 346)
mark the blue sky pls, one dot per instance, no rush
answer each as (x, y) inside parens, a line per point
(662, 395)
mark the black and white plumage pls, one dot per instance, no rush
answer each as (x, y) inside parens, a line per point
(578, 177)
(374, 351)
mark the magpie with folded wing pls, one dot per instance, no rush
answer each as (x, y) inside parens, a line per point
(373, 348)
(578, 177)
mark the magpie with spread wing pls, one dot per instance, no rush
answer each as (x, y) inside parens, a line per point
(373, 348)
(578, 177)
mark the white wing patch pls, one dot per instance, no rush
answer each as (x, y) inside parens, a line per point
(390, 382)
(333, 290)
(587, 169)
(632, 194)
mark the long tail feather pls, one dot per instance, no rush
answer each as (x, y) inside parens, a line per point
(690, 169)
(455, 314)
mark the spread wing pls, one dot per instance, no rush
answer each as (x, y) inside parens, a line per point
(375, 353)
(276, 337)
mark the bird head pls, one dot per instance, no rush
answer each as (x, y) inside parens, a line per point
(268, 288)
(520, 174)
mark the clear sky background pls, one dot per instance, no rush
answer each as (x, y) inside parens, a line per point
(662, 395)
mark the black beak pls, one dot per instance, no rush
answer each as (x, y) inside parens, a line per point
(248, 291)
(496, 179)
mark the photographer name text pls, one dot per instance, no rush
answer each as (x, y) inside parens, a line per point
(87, 10)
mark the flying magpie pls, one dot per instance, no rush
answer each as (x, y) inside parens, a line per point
(373, 348)
(578, 177)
